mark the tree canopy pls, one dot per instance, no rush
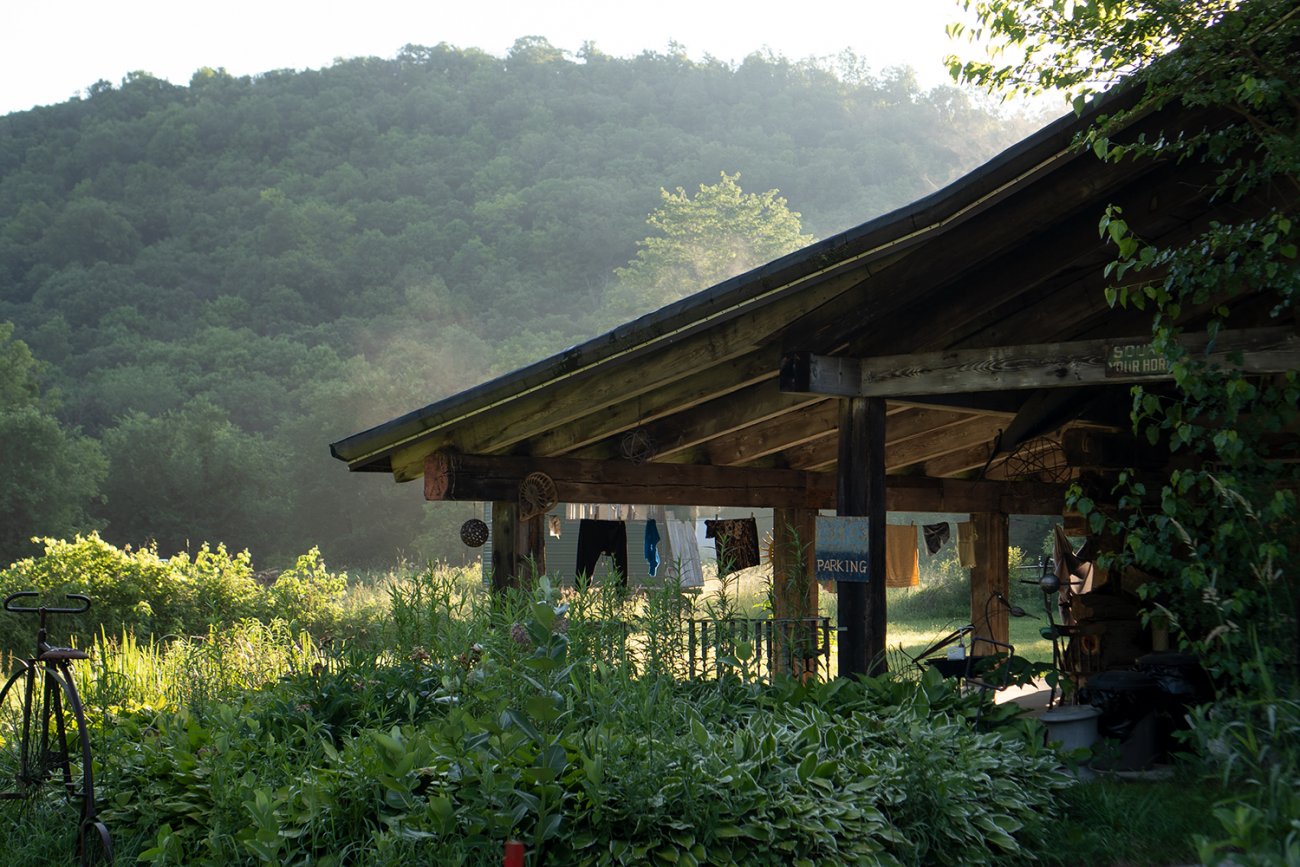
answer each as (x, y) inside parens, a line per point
(257, 266)
(702, 240)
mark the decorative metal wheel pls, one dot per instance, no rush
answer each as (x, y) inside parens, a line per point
(1040, 458)
(536, 495)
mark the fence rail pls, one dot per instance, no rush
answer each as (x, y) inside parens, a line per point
(797, 646)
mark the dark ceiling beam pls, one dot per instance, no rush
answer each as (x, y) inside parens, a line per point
(1106, 361)
(1058, 260)
(785, 431)
(903, 293)
(455, 477)
(749, 375)
(918, 450)
(681, 433)
(904, 450)
(957, 463)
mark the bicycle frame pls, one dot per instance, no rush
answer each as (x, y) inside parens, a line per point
(42, 751)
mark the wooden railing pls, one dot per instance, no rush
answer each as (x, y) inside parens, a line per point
(800, 647)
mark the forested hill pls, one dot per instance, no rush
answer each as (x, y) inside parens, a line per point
(214, 281)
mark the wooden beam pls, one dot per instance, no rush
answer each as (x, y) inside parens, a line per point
(860, 491)
(452, 477)
(972, 458)
(681, 431)
(919, 494)
(902, 291)
(972, 432)
(777, 434)
(905, 424)
(990, 577)
(497, 477)
(532, 549)
(1050, 365)
(505, 544)
(752, 376)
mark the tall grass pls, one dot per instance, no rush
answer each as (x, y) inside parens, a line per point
(125, 671)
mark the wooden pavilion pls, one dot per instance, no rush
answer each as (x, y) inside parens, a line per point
(956, 355)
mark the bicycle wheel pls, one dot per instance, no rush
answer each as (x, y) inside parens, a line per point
(45, 760)
(44, 755)
(17, 755)
(69, 759)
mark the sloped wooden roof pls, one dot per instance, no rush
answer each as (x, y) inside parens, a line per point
(1009, 254)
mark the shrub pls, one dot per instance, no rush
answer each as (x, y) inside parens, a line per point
(133, 590)
(137, 592)
(308, 594)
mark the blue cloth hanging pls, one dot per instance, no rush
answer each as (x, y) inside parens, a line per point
(652, 546)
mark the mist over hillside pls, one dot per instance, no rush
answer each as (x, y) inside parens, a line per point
(209, 283)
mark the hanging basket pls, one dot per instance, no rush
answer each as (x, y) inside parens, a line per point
(474, 533)
(637, 446)
(536, 495)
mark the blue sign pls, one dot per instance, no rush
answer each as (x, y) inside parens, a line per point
(841, 550)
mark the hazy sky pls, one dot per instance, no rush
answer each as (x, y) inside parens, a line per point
(53, 50)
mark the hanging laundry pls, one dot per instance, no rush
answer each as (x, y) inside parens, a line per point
(553, 526)
(686, 553)
(902, 568)
(736, 541)
(652, 546)
(597, 538)
(966, 544)
(936, 536)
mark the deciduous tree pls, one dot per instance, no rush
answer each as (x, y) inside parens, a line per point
(701, 240)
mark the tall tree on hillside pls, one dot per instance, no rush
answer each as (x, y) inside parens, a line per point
(701, 240)
(50, 475)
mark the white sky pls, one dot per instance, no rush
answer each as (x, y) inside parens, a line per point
(51, 50)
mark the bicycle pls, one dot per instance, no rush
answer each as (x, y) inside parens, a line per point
(45, 756)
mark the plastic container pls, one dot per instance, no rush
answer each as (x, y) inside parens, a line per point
(1074, 726)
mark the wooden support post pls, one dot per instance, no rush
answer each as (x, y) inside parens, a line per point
(532, 549)
(505, 545)
(990, 575)
(860, 491)
(794, 590)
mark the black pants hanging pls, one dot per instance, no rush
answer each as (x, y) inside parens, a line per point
(601, 537)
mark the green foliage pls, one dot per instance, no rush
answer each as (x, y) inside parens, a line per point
(139, 592)
(1252, 744)
(308, 593)
(286, 259)
(1078, 48)
(1148, 821)
(253, 744)
(1220, 531)
(51, 474)
(208, 479)
(451, 747)
(701, 240)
